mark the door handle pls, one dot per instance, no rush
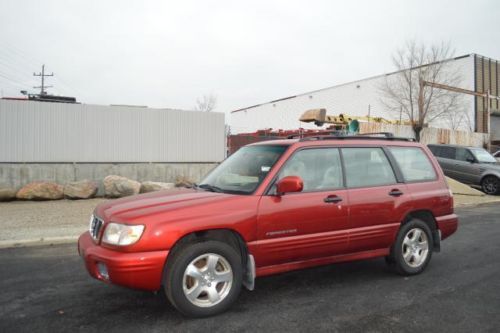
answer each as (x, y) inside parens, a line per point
(332, 199)
(395, 192)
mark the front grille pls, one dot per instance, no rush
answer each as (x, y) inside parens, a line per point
(95, 227)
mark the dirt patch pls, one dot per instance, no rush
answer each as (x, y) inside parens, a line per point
(45, 219)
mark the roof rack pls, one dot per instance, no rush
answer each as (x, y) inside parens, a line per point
(365, 136)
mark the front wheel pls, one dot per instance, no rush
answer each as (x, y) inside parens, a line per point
(203, 279)
(412, 250)
(490, 185)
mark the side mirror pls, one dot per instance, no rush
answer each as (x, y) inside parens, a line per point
(471, 160)
(289, 184)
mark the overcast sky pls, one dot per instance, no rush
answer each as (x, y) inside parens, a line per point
(168, 53)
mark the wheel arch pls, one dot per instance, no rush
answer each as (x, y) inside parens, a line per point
(228, 236)
(428, 217)
(488, 174)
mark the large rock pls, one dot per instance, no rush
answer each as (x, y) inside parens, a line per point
(83, 189)
(117, 186)
(155, 186)
(7, 194)
(41, 191)
(182, 181)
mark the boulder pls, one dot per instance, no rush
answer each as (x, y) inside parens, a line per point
(155, 186)
(7, 194)
(83, 189)
(117, 186)
(41, 191)
(182, 181)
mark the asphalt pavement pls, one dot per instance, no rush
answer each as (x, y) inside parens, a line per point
(46, 289)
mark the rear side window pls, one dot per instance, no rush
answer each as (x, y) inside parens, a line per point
(365, 167)
(442, 151)
(413, 163)
(435, 150)
(447, 152)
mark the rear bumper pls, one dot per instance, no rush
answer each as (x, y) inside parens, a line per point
(138, 270)
(447, 224)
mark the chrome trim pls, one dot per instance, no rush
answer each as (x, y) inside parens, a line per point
(95, 226)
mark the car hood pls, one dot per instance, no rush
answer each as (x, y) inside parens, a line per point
(178, 203)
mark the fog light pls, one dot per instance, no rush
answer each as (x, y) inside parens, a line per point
(102, 270)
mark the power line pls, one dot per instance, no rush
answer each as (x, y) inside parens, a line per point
(13, 80)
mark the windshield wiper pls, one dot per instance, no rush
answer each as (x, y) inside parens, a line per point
(211, 188)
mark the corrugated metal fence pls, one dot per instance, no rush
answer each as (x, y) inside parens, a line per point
(56, 132)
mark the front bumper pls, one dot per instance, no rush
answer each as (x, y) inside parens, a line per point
(447, 224)
(138, 270)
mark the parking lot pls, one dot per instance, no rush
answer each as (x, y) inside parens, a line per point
(46, 288)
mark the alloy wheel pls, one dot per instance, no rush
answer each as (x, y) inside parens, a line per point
(207, 280)
(490, 185)
(415, 247)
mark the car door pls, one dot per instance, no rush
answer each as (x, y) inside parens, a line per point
(447, 160)
(465, 166)
(308, 224)
(377, 200)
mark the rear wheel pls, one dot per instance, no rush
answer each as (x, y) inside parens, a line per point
(490, 185)
(412, 250)
(203, 279)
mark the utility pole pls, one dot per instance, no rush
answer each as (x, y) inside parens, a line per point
(486, 95)
(43, 86)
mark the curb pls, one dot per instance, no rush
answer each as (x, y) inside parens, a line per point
(5, 244)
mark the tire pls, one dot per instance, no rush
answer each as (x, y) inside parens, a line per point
(490, 185)
(412, 250)
(210, 271)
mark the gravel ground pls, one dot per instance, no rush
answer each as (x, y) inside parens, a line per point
(30, 220)
(64, 220)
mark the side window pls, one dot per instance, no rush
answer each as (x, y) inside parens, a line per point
(320, 168)
(463, 154)
(413, 163)
(447, 152)
(435, 150)
(366, 167)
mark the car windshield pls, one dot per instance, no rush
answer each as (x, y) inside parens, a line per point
(242, 172)
(483, 156)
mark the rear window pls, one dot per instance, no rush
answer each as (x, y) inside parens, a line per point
(442, 151)
(413, 163)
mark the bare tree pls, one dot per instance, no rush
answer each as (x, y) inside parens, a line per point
(404, 94)
(206, 103)
(458, 119)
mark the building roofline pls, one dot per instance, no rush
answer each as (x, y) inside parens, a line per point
(351, 82)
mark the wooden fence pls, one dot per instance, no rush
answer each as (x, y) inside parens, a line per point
(430, 134)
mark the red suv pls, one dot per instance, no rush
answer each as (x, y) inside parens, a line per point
(274, 207)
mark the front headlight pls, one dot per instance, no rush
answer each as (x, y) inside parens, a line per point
(122, 234)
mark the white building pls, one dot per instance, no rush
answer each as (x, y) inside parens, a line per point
(364, 98)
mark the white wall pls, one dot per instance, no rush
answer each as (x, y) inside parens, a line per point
(58, 132)
(350, 98)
